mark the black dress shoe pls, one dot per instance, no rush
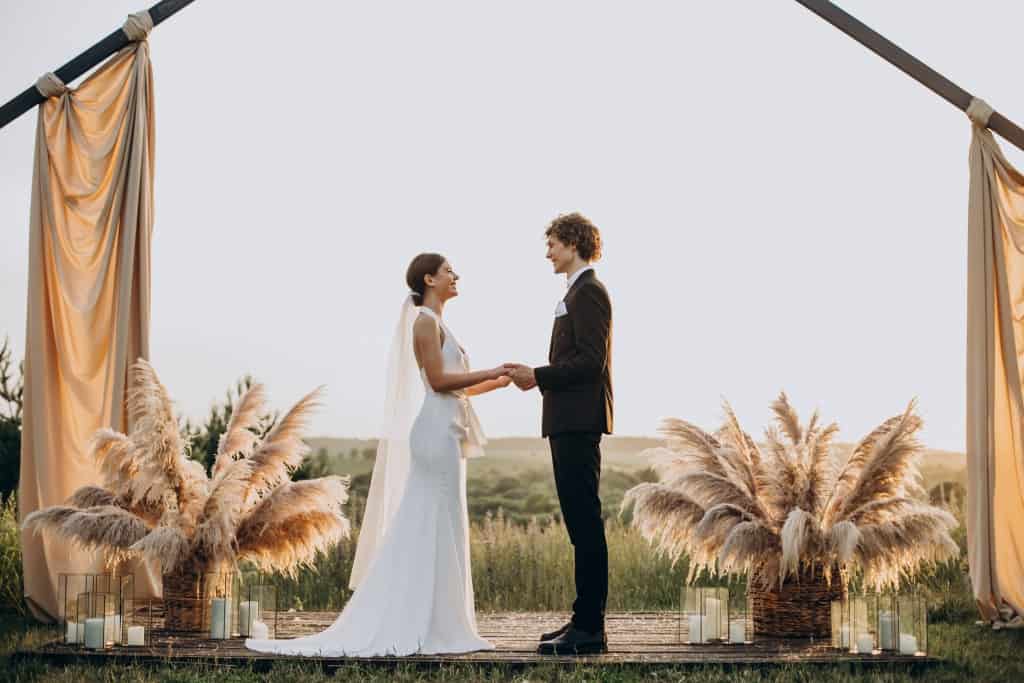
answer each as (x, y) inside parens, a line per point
(575, 642)
(554, 634)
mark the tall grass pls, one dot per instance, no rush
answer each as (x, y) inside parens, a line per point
(11, 592)
(530, 568)
(515, 567)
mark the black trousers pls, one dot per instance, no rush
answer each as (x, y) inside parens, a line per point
(577, 463)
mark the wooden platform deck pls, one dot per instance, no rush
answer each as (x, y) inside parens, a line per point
(648, 639)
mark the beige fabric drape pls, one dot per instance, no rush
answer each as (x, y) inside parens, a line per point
(88, 294)
(995, 408)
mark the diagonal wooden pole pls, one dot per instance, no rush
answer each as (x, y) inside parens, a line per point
(85, 61)
(910, 65)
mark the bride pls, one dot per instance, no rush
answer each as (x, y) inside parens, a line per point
(413, 585)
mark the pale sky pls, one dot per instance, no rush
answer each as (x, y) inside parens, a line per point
(781, 209)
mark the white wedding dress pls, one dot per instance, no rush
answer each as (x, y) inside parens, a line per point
(415, 595)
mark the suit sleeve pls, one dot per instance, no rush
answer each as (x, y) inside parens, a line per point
(591, 318)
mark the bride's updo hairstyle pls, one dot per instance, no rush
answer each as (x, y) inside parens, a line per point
(421, 266)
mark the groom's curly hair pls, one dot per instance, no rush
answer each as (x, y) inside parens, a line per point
(575, 230)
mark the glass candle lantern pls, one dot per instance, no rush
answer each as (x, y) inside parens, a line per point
(705, 614)
(70, 586)
(854, 624)
(99, 619)
(220, 616)
(139, 622)
(912, 622)
(740, 618)
(887, 622)
(256, 607)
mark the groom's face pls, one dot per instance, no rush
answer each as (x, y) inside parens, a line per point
(560, 254)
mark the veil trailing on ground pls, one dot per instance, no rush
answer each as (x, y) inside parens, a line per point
(403, 398)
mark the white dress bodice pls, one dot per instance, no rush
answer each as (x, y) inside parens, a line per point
(454, 406)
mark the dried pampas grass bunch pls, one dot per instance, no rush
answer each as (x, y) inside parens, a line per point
(157, 503)
(784, 507)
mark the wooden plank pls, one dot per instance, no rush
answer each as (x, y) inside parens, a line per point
(634, 639)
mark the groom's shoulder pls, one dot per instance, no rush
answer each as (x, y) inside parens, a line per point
(595, 289)
(594, 282)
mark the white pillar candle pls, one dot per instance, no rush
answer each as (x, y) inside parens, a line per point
(94, 633)
(715, 627)
(259, 630)
(844, 636)
(698, 628)
(220, 619)
(865, 644)
(887, 630)
(248, 612)
(737, 632)
(136, 635)
(74, 634)
(908, 644)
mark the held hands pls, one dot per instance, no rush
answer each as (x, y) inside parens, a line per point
(522, 375)
(501, 375)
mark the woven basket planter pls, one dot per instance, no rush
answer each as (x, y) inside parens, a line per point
(800, 608)
(184, 600)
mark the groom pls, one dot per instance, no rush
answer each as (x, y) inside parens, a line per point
(577, 390)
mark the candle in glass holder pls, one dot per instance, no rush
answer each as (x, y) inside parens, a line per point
(737, 632)
(259, 630)
(94, 633)
(698, 628)
(844, 636)
(713, 608)
(887, 630)
(74, 634)
(220, 619)
(865, 644)
(908, 644)
(136, 635)
(248, 612)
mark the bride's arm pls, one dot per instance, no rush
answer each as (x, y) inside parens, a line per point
(489, 385)
(427, 344)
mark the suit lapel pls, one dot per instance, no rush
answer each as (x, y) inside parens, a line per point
(586, 275)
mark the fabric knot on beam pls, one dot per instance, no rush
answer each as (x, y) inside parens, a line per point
(979, 112)
(49, 85)
(137, 26)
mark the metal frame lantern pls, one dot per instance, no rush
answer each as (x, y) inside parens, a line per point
(855, 624)
(93, 596)
(706, 611)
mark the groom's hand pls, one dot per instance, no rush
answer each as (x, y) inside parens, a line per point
(522, 375)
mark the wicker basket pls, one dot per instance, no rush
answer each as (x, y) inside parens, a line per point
(184, 601)
(800, 608)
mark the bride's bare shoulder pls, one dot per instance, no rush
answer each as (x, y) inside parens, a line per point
(424, 324)
(426, 327)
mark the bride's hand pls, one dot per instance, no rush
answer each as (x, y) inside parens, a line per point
(500, 373)
(504, 381)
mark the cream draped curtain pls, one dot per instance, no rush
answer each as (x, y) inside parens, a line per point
(88, 292)
(995, 344)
